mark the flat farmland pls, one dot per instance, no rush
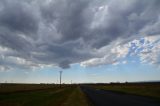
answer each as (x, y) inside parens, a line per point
(113, 94)
(9, 88)
(41, 95)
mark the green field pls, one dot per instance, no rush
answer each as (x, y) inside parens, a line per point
(34, 95)
(148, 90)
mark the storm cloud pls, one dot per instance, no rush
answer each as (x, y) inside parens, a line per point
(36, 33)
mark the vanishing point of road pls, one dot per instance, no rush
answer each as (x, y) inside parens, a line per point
(108, 98)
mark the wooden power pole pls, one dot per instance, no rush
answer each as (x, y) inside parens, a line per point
(60, 77)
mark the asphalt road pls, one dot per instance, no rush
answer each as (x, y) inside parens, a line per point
(109, 98)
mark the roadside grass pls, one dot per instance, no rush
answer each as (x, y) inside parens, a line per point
(50, 97)
(77, 98)
(148, 90)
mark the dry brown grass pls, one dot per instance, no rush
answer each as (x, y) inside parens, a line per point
(7, 88)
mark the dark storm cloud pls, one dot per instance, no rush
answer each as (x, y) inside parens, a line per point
(68, 17)
(13, 41)
(64, 64)
(63, 32)
(18, 17)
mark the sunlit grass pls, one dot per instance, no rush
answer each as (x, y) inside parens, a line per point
(77, 98)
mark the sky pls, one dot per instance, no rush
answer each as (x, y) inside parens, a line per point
(91, 41)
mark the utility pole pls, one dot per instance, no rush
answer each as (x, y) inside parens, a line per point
(60, 77)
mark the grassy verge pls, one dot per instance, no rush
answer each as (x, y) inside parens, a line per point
(77, 98)
(149, 90)
(48, 97)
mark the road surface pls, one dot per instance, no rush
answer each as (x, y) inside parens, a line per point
(108, 98)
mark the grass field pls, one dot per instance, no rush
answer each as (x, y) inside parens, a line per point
(149, 90)
(38, 95)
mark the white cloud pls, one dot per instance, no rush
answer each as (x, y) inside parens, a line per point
(5, 69)
(151, 51)
(147, 49)
(124, 62)
(109, 55)
(121, 50)
(107, 59)
(116, 63)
